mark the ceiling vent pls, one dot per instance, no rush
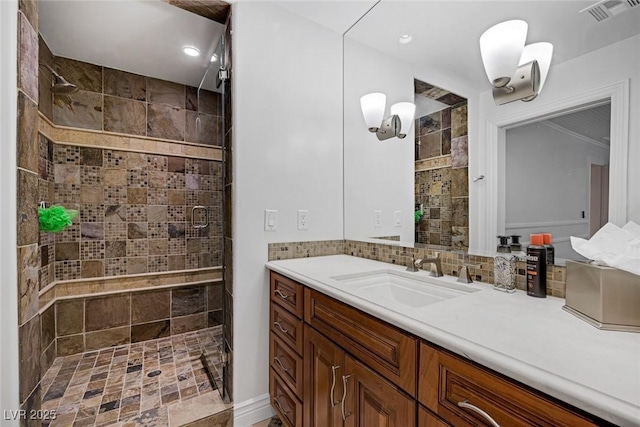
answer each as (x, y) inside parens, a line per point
(605, 9)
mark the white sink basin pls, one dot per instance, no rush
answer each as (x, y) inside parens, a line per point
(403, 288)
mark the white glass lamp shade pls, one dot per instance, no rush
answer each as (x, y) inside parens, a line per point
(372, 106)
(501, 48)
(541, 52)
(405, 111)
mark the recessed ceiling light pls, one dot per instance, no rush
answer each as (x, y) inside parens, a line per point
(191, 51)
(405, 38)
(214, 57)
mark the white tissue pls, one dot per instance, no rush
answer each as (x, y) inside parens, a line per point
(613, 246)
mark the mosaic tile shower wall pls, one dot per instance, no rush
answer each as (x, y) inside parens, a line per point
(441, 171)
(135, 212)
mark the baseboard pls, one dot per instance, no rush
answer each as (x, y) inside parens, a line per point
(252, 411)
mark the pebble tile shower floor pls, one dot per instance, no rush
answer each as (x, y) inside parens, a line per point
(157, 383)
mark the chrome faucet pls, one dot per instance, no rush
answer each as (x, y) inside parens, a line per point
(414, 264)
(463, 275)
(436, 265)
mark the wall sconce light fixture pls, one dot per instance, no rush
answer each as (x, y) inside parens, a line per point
(516, 72)
(397, 124)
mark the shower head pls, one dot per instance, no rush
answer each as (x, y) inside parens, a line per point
(60, 85)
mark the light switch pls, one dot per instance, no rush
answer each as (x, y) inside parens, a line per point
(396, 218)
(377, 219)
(303, 219)
(270, 220)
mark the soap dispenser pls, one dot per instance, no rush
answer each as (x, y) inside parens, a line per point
(504, 246)
(516, 246)
(504, 267)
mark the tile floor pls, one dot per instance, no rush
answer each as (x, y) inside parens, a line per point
(154, 383)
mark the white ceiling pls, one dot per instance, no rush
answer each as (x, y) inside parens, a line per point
(142, 37)
(446, 33)
(337, 15)
(146, 37)
(594, 124)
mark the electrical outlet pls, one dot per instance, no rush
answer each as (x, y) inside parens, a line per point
(377, 219)
(303, 219)
(270, 220)
(396, 218)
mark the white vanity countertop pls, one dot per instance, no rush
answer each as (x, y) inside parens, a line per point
(531, 340)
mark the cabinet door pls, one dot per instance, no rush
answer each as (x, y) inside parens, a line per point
(427, 419)
(372, 401)
(323, 370)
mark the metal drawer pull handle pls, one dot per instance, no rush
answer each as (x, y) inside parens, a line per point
(280, 294)
(283, 330)
(279, 363)
(466, 405)
(344, 396)
(333, 385)
(277, 402)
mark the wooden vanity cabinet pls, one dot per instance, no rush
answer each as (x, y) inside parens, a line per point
(323, 389)
(353, 366)
(464, 394)
(371, 401)
(341, 391)
(286, 333)
(332, 365)
(388, 350)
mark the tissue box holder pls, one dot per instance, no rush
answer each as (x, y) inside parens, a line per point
(605, 297)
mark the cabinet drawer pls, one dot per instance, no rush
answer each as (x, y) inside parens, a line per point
(385, 348)
(287, 294)
(284, 402)
(287, 364)
(287, 327)
(446, 380)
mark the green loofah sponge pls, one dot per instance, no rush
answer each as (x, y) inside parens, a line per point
(55, 218)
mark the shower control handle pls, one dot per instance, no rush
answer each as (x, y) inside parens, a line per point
(204, 224)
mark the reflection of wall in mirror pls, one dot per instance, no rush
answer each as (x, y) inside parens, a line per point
(378, 175)
(547, 183)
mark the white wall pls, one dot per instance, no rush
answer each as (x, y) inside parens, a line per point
(287, 130)
(606, 66)
(547, 174)
(378, 175)
(9, 399)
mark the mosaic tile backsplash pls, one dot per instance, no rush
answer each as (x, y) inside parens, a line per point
(394, 254)
(135, 212)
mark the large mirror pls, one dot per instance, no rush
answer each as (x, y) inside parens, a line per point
(458, 186)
